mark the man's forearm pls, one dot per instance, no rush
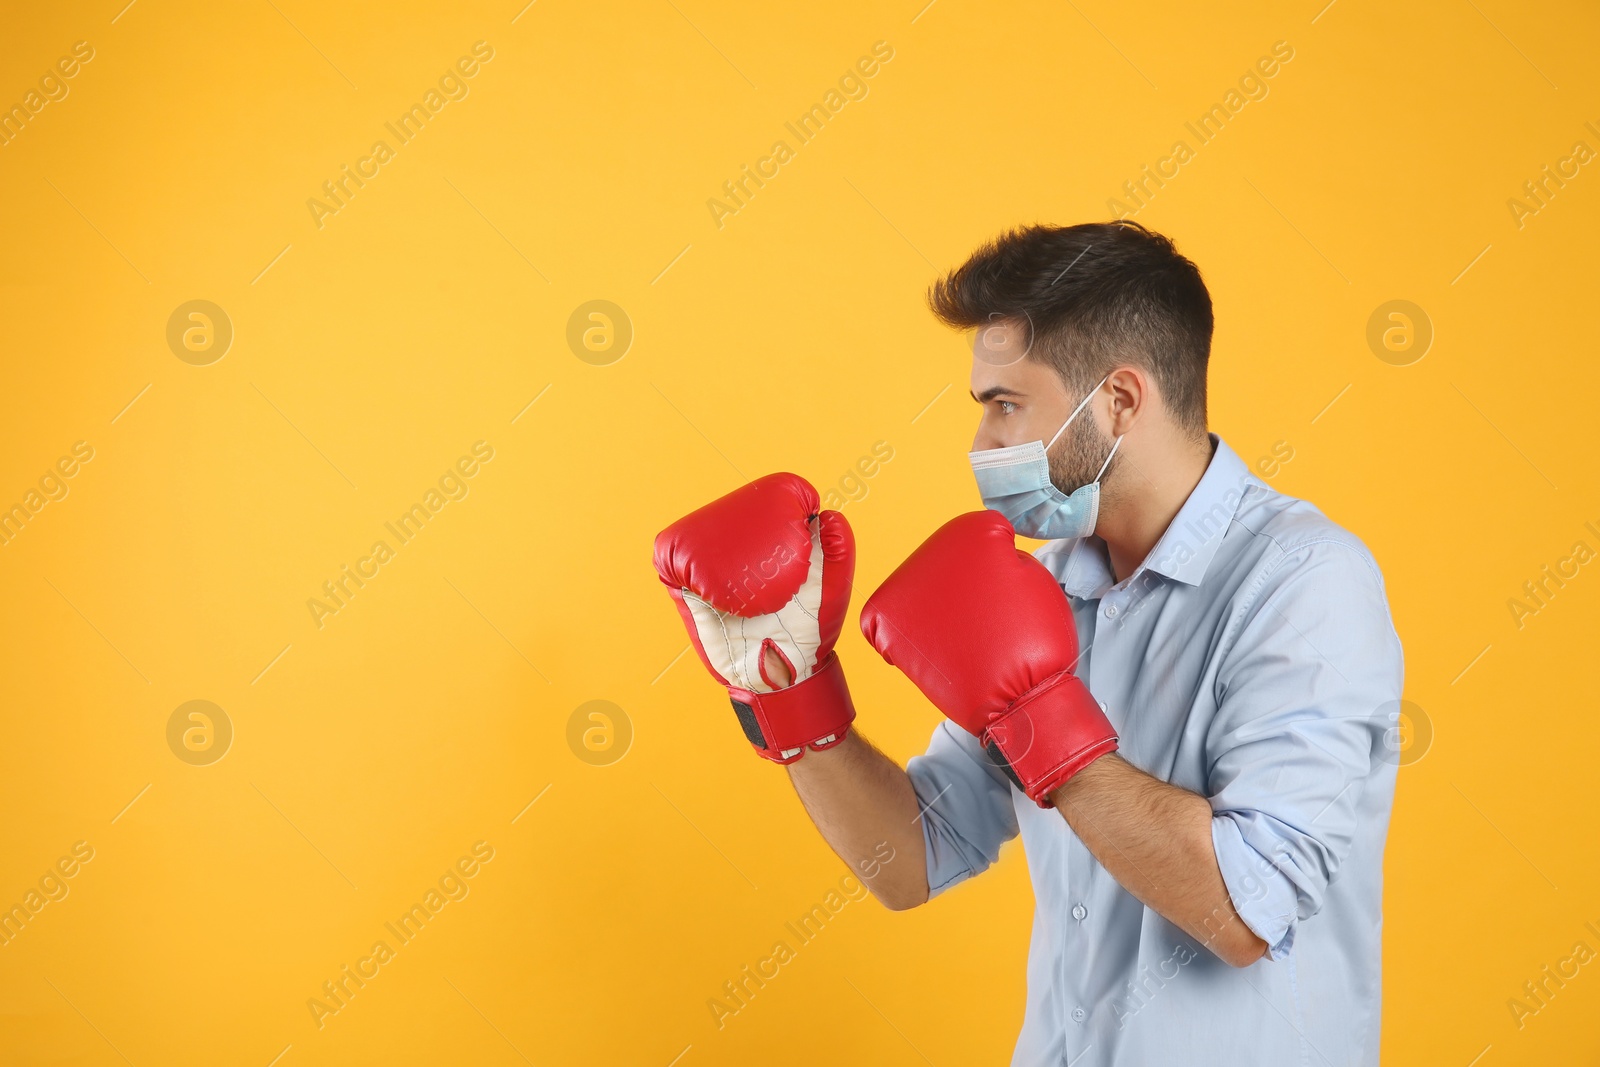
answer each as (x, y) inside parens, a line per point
(1155, 840)
(861, 800)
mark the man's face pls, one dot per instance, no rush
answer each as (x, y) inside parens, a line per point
(1025, 400)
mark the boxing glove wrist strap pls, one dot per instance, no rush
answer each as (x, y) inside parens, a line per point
(815, 712)
(1051, 733)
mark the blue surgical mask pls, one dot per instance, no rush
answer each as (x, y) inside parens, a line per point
(1015, 481)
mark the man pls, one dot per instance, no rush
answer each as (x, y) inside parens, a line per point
(1193, 736)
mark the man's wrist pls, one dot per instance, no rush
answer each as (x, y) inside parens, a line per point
(1090, 778)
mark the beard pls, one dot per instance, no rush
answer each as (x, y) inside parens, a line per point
(1077, 457)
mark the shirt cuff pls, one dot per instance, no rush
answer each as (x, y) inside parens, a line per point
(1261, 894)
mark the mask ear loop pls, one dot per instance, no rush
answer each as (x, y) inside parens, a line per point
(1114, 446)
(1081, 404)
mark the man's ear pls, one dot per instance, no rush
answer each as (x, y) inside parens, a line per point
(1132, 391)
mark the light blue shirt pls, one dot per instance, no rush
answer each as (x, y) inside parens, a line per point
(1250, 659)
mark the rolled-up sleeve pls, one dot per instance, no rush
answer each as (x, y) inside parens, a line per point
(965, 802)
(1303, 688)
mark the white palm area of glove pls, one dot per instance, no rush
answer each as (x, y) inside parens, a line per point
(765, 653)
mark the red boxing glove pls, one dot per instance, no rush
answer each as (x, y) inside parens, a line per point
(760, 569)
(987, 635)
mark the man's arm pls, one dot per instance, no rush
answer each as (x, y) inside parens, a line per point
(1155, 840)
(1292, 747)
(859, 798)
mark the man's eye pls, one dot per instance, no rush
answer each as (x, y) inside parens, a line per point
(1007, 407)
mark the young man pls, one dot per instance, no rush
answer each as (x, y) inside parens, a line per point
(1186, 712)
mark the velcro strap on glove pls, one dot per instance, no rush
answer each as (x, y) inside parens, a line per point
(1051, 733)
(815, 712)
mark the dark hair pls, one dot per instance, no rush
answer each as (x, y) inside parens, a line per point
(1092, 296)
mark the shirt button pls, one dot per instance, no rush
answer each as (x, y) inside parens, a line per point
(1111, 611)
(1077, 1015)
(1103, 706)
(1080, 912)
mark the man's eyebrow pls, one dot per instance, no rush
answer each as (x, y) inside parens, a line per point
(993, 392)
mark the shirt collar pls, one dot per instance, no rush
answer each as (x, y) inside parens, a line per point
(1191, 540)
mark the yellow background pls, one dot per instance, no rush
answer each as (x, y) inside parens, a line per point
(370, 753)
